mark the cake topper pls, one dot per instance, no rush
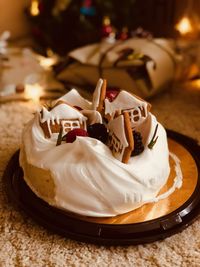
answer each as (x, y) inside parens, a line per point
(123, 101)
(61, 115)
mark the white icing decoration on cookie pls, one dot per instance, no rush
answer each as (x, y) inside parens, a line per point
(75, 99)
(93, 116)
(62, 112)
(127, 102)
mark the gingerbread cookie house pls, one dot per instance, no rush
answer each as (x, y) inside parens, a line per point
(61, 116)
(137, 108)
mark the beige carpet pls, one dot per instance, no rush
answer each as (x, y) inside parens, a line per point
(24, 243)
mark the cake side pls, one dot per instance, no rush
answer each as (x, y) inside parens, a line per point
(87, 179)
(100, 158)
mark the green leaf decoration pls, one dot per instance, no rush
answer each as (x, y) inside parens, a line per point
(59, 140)
(153, 139)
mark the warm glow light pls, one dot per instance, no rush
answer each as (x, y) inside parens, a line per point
(33, 92)
(196, 84)
(34, 8)
(47, 62)
(184, 26)
(106, 21)
(50, 52)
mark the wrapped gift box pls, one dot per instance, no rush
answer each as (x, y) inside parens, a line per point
(142, 66)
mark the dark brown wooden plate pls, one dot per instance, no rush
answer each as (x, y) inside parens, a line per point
(130, 228)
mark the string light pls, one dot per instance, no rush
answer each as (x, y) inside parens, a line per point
(33, 92)
(106, 21)
(184, 26)
(47, 62)
(196, 84)
(34, 8)
(189, 24)
(49, 52)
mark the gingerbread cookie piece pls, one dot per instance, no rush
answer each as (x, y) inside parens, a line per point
(99, 95)
(61, 116)
(120, 139)
(137, 108)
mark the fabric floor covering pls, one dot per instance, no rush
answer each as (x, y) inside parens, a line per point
(24, 243)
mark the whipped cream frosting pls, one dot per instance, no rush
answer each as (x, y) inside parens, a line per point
(88, 180)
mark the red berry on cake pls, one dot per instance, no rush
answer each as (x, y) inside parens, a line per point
(71, 135)
(111, 94)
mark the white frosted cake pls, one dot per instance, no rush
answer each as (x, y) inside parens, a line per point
(100, 158)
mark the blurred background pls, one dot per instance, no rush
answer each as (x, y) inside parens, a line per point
(66, 24)
(148, 47)
(169, 50)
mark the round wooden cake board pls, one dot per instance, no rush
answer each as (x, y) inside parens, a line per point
(149, 223)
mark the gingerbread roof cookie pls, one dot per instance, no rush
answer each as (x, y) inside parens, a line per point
(61, 116)
(120, 139)
(136, 107)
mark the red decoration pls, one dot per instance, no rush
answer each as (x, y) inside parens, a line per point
(106, 30)
(87, 3)
(111, 94)
(124, 34)
(71, 135)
